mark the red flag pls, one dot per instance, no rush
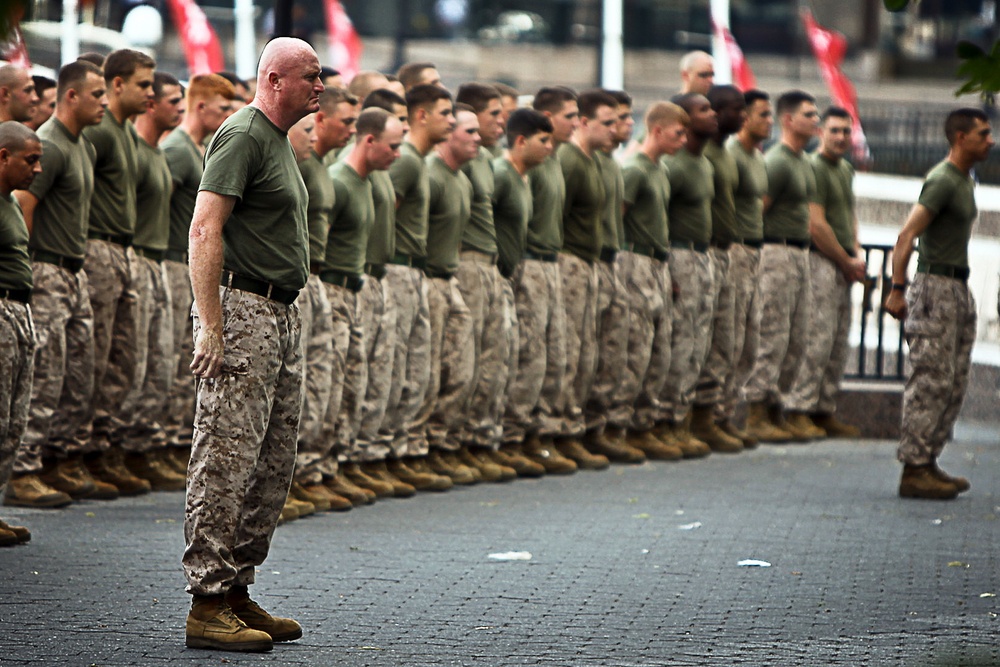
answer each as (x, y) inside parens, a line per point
(15, 51)
(743, 77)
(830, 47)
(201, 45)
(343, 41)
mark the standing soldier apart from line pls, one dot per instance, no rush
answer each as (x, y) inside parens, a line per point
(744, 255)
(834, 266)
(20, 154)
(784, 276)
(49, 470)
(938, 309)
(209, 102)
(249, 234)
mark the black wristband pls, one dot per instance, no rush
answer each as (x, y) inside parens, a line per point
(900, 286)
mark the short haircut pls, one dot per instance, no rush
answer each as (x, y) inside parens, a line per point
(372, 121)
(363, 83)
(383, 99)
(332, 96)
(206, 86)
(477, 95)
(233, 79)
(14, 135)
(92, 57)
(124, 62)
(409, 74)
(161, 79)
(664, 113)
(72, 75)
(42, 83)
(325, 72)
(790, 101)
(526, 123)
(623, 98)
(719, 96)
(754, 95)
(425, 95)
(836, 112)
(552, 98)
(11, 74)
(963, 120)
(463, 107)
(690, 58)
(506, 90)
(686, 101)
(591, 100)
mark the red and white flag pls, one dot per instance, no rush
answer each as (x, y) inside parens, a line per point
(743, 77)
(830, 46)
(15, 51)
(342, 39)
(201, 45)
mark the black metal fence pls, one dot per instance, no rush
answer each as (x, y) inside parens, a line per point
(880, 353)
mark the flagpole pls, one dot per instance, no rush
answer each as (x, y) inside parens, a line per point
(720, 17)
(612, 48)
(70, 42)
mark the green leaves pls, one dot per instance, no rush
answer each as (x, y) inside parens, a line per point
(980, 70)
(896, 5)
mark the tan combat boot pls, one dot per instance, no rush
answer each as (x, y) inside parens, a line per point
(685, 438)
(288, 513)
(20, 532)
(652, 447)
(802, 428)
(442, 464)
(378, 470)
(612, 444)
(30, 491)
(545, 454)
(921, 482)
(75, 469)
(354, 473)
(60, 476)
(109, 467)
(342, 486)
(704, 428)
(495, 457)
(212, 624)
(148, 466)
(489, 469)
(834, 427)
(961, 483)
(760, 426)
(421, 481)
(317, 500)
(749, 442)
(251, 613)
(574, 450)
(7, 538)
(670, 434)
(512, 456)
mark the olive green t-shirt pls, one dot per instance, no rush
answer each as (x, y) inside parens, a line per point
(266, 236)
(790, 185)
(750, 190)
(152, 198)
(409, 179)
(351, 219)
(614, 188)
(647, 196)
(548, 193)
(15, 264)
(725, 176)
(63, 189)
(691, 191)
(382, 240)
(950, 195)
(495, 151)
(321, 197)
(583, 211)
(511, 212)
(186, 167)
(116, 170)
(835, 193)
(480, 233)
(449, 205)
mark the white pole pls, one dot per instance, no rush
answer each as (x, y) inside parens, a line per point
(70, 43)
(245, 40)
(723, 67)
(612, 48)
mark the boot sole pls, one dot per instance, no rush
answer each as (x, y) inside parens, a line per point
(51, 505)
(287, 637)
(914, 493)
(242, 647)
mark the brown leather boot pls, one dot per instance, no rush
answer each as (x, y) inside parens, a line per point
(317, 500)
(212, 624)
(251, 613)
(355, 474)
(148, 466)
(288, 512)
(704, 428)
(109, 467)
(377, 470)
(7, 538)
(544, 453)
(442, 464)
(574, 450)
(761, 427)
(421, 481)
(491, 470)
(61, 476)
(652, 447)
(20, 532)
(77, 470)
(342, 486)
(613, 445)
(834, 427)
(749, 442)
(921, 482)
(30, 491)
(802, 428)
(512, 456)
(961, 483)
(690, 447)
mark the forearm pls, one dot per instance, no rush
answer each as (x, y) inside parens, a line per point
(205, 251)
(824, 239)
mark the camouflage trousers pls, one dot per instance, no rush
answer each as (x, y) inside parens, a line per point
(63, 389)
(17, 363)
(452, 366)
(612, 342)
(181, 413)
(649, 289)
(147, 405)
(316, 315)
(481, 285)
(818, 380)
(113, 273)
(374, 440)
(785, 306)
(243, 451)
(579, 289)
(940, 331)
(533, 404)
(692, 328)
(513, 347)
(411, 365)
(719, 362)
(744, 263)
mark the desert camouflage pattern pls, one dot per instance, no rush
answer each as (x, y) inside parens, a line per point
(181, 414)
(374, 440)
(612, 341)
(744, 265)
(316, 316)
(579, 290)
(17, 363)
(719, 363)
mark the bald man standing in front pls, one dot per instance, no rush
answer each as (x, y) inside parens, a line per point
(249, 247)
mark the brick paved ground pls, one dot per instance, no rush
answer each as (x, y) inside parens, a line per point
(858, 576)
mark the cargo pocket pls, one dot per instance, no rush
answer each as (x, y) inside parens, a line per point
(925, 313)
(222, 400)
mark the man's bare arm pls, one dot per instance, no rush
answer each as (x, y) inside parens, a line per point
(823, 238)
(28, 203)
(920, 217)
(211, 211)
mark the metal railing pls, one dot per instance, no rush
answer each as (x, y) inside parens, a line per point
(880, 354)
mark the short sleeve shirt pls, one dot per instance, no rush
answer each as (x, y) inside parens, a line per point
(647, 196)
(15, 265)
(152, 227)
(614, 187)
(691, 193)
(321, 197)
(790, 185)
(950, 195)
(835, 193)
(409, 179)
(725, 175)
(116, 168)
(583, 212)
(266, 236)
(511, 212)
(480, 233)
(548, 192)
(750, 190)
(351, 221)
(449, 206)
(382, 240)
(186, 166)
(64, 189)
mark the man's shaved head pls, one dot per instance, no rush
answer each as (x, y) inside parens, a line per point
(14, 136)
(281, 54)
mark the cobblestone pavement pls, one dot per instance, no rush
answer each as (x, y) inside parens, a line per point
(635, 566)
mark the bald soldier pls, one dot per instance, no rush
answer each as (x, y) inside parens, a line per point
(17, 94)
(697, 73)
(249, 259)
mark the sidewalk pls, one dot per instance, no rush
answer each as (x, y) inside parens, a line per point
(634, 566)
